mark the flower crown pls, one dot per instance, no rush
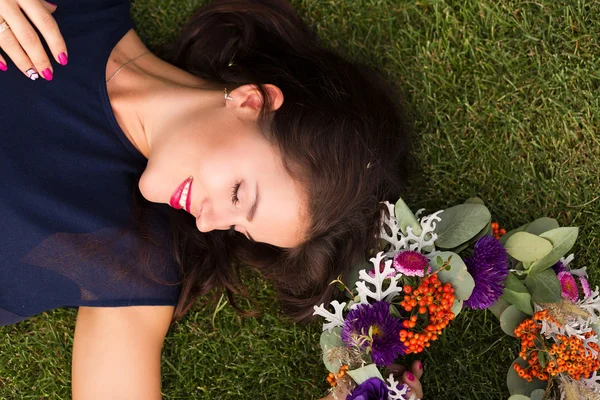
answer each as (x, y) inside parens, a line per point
(427, 268)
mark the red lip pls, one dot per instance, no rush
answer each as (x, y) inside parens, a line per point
(177, 195)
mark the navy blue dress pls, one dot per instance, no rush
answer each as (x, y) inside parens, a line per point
(67, 178)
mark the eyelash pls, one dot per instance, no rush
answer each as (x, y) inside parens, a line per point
(234, 193)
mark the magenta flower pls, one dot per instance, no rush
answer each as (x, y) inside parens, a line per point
(569, 286)
(411, 263)
(585, 286)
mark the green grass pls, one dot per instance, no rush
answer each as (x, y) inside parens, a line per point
(504, 95)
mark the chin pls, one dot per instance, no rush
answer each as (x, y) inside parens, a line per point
(150, 189)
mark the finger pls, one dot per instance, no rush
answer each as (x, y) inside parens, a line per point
(51, 7)
(396, 369)
(417, 369)
(413, 383)
(40, 13)
(29, 41)
(11, 46)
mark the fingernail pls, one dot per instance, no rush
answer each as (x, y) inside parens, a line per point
(63, 59)
(47, 74)
(420, 364)
(410, 376)
(3, 66)
(32, 74)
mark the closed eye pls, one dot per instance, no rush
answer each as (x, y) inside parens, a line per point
(234, 193)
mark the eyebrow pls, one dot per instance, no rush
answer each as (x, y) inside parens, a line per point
(252, 210)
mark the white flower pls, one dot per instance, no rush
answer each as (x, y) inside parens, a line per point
(398, 390)
(591, 304)
(377, 281)
(422, 242)
(335, 319)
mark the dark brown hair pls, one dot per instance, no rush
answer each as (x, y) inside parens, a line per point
(340, 131)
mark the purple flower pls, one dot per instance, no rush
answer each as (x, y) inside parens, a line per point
(569, 286)
(371, 389)
(585, 286)
(559, 267)
(386, 345)
(489, 269)
(411, 263)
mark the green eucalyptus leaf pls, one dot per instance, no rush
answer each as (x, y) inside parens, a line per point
(457, 275)
(362, 374)
(544, 286)
(460, 224)
(510, 319)
(487, 230)
(475, 200)
(457, 306)
(596, 327)
(332, 345)
(498, 307)
(405, 218)
(542, 225)
(537, 394)
(526, 247)
(353, 274)
(460, 248)
(562, 240)
(504, 238)
(518, 397)
(516, 293)
(517, 385)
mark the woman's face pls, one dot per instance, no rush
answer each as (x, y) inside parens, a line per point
(217, 165)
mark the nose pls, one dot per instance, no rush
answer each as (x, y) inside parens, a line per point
(211, 219)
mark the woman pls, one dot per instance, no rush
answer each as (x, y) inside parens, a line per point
(272, 152)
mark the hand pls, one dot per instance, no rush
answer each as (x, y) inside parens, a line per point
(415, 372)
(22, 44)
(401, 373)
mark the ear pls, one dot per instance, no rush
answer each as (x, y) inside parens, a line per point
(248, 100)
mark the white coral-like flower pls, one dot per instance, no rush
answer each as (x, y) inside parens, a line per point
(392, 233)
(377, 281)
(575, 327)
(422, 242)
(398, 390)
(592, 383)
(591, 304)
(335, 319)
(568, 260)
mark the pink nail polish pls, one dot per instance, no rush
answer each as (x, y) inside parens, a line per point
(420, 364)
(3, 66)
(63, 59)
(410, 376)
(47, 74)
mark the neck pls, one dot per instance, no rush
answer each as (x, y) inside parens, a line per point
(149, 94)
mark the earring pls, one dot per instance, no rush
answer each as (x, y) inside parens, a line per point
(227, 96)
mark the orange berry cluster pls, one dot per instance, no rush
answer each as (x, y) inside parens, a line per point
(333, 378)
(498, 232)
(433, 298)
(567, 355)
